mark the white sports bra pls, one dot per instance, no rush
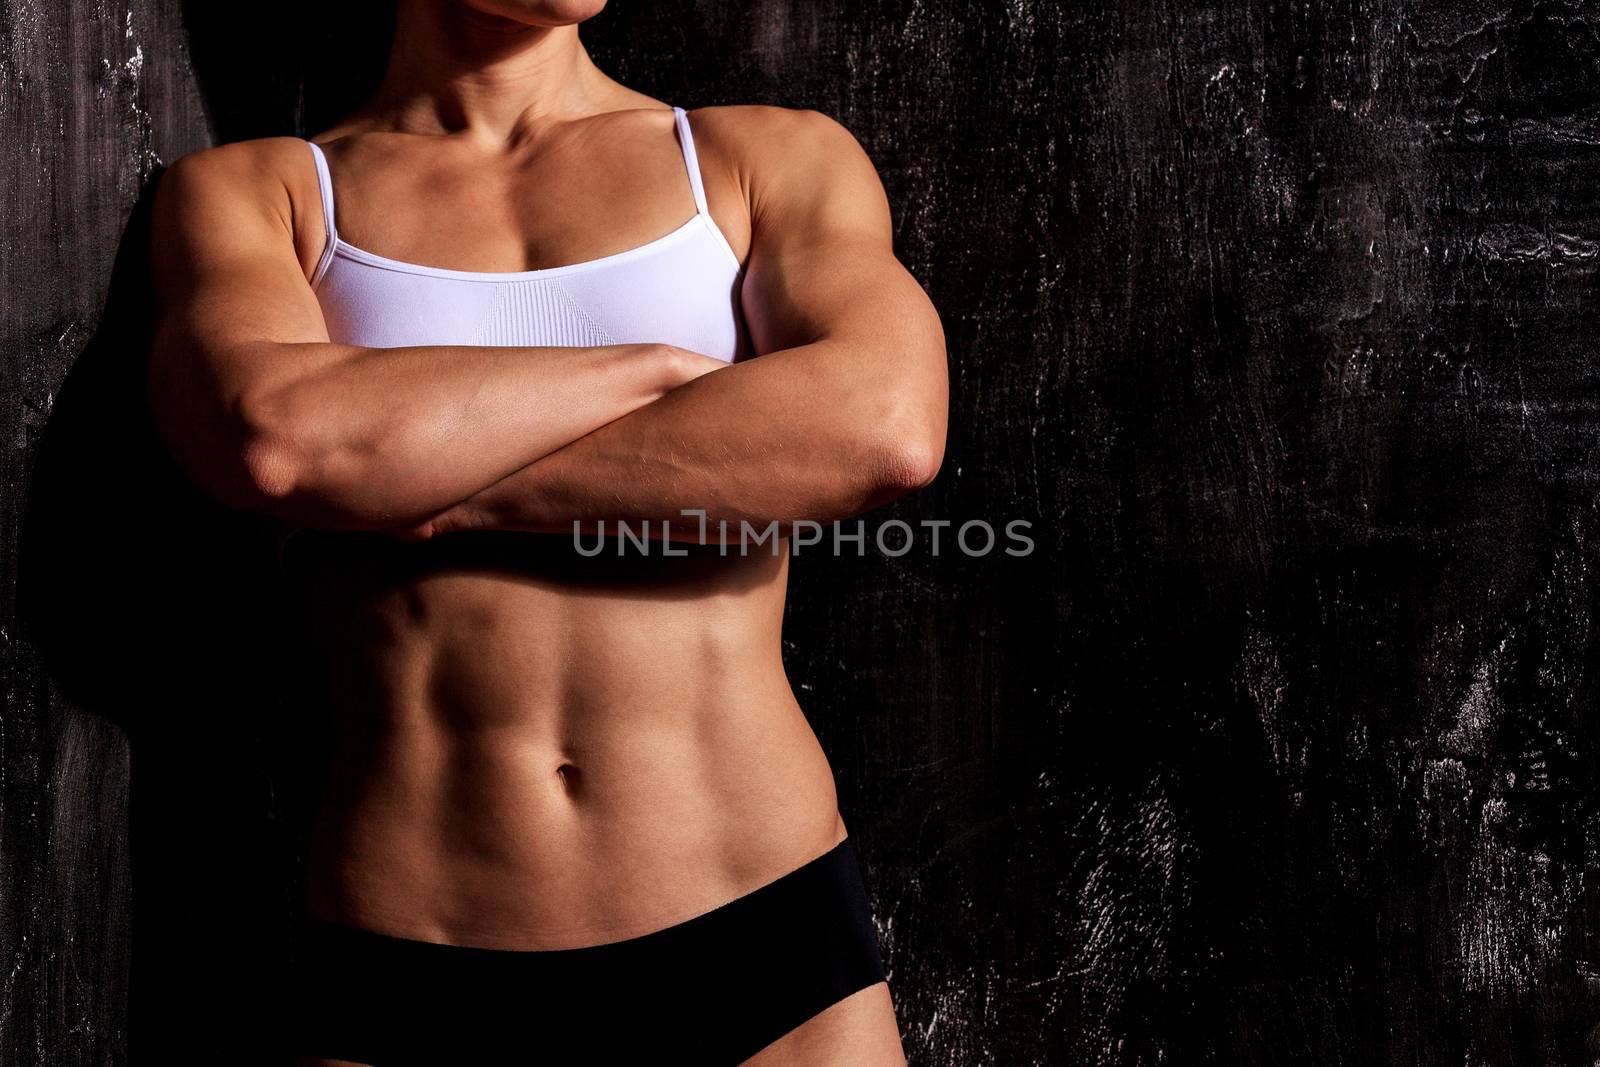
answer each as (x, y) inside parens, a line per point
(680, 289)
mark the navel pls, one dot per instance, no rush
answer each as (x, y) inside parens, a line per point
(568, 775)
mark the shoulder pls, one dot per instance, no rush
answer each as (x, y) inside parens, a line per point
(803, 173)
(762, 135)
(234, 199)
(262, 159)
(262, 172)
(790, 160)
(770, 125)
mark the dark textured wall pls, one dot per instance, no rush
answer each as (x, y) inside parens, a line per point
(1274, 318)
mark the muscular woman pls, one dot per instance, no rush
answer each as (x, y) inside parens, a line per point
(572, 807)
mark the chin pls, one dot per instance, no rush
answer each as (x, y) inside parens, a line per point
(540, 12)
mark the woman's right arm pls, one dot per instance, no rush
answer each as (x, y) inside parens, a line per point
(263, 411)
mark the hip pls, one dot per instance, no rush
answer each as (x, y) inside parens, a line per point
(714, 988)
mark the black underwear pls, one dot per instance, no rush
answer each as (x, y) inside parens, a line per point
(714, 989)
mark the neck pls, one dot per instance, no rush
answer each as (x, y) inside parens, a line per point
(456, 70)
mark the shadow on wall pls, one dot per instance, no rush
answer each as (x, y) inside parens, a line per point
(161, 611)
(294, 70)
(152, 607)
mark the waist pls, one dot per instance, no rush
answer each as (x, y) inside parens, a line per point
(503, 839)
(516, 762)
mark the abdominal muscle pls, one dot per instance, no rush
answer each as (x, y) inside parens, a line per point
(541, 760)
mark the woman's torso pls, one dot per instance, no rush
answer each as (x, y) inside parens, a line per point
(534, 748)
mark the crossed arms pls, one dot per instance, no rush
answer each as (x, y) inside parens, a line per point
(844, 409)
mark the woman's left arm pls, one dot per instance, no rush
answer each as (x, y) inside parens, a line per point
(844, 410)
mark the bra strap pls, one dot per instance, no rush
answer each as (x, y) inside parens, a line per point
(325, 185)
(690, 160)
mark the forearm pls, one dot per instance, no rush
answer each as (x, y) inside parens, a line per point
(368, 438)
(799, 434)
